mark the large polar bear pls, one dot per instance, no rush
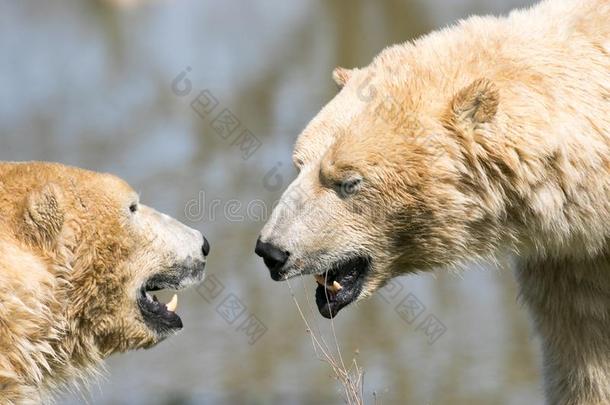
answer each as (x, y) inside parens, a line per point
(78, 256)
(489, 137)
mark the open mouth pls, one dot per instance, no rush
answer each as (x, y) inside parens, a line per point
(162, 317)
(340, 285)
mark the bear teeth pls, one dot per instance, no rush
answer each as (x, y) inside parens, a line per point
(173, 304)
(334, 288)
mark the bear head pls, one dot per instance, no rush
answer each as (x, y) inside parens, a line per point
(382, 186)
(107, 251)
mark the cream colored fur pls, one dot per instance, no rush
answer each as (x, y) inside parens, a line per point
(488, 137)
(72, 260)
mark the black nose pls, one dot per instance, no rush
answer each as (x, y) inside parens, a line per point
(274, 257)
(206, 247)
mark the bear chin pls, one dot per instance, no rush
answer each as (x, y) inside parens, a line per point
(162, 318)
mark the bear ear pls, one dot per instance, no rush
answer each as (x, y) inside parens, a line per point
(476, 103)
(341, 75)
(44, 215)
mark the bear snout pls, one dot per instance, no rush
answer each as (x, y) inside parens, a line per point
(274, 258)
(206, 247)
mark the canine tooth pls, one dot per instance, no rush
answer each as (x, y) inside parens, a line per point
(334, 288)
(173, 304)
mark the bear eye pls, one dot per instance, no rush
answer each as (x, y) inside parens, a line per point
(298, 163)
(133, 208)
(349, 186)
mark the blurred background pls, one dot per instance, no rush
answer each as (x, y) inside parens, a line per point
(197, 105)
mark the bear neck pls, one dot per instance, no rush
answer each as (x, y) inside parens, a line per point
(67, 353)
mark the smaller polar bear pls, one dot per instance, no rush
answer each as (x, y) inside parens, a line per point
(78, 257)
(487, 137)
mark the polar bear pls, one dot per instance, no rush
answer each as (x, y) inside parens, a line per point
(79, 255)
(486, 138)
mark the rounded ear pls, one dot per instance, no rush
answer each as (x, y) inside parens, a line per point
(476, 103)
(43, 214)
(341, 75)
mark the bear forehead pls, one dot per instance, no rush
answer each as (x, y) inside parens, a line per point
(71, 180)
(369, 140)
(375, 106)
